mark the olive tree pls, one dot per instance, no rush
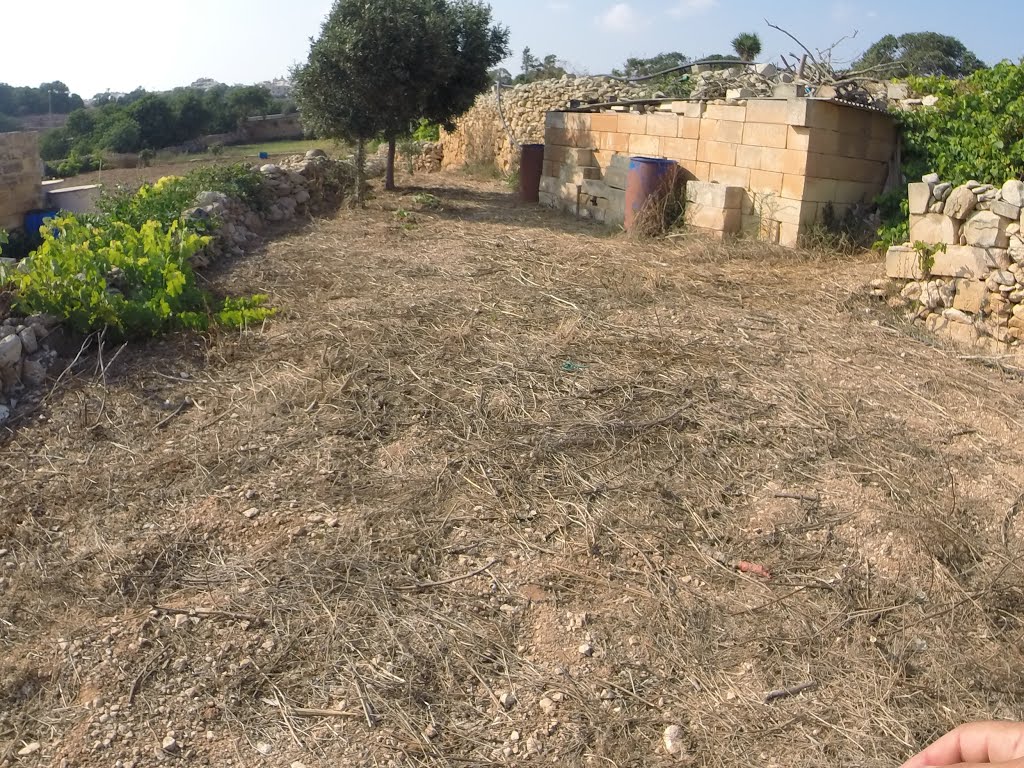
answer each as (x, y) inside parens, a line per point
(381, 65)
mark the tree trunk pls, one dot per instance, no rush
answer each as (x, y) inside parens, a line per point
(360, 170)
(389, 178)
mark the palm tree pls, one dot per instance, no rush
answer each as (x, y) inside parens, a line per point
(747, 45)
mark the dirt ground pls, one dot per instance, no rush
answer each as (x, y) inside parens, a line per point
(497, 487)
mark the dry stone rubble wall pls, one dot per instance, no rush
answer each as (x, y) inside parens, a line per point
(480, 136)
(962, 272)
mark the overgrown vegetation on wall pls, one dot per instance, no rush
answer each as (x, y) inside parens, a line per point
(975, 131)
(128, 270)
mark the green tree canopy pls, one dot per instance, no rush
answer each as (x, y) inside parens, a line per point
(922, 54)
(674, 84)
(747, 45)
(380, 65)
(157, 120)
(534, 69)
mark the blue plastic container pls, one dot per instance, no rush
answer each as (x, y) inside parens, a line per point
(644, 179)
(34, 220)
(264, 155)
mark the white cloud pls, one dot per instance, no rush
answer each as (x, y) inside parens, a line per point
(692, 7)
(619, 17)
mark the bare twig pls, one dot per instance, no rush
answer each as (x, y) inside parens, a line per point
(432, 584)
(206, 613)
(793, 690)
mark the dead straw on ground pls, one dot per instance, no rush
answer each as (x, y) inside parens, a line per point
(480, 437)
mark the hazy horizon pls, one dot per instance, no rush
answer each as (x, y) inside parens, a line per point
(118, 49)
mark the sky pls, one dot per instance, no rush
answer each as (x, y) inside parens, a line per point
(119, 45)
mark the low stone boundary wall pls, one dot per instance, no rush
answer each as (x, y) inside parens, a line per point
(962, 272)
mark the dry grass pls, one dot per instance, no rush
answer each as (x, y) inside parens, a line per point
(479, 436)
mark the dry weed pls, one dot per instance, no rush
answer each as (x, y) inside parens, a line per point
(470, 447)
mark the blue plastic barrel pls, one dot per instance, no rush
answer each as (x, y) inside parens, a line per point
(34, 220)
(644, 179)
(264, 155)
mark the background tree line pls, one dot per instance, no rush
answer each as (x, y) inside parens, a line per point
(920, 54)
(142, 120)
(23, 101)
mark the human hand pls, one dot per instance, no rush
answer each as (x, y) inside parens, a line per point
(971, 746)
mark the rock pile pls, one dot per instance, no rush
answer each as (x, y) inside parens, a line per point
(298, 186)
(739, 82)
(416, 157)
(480, 136)
(968, 282)
(25, 357)
(430, 157)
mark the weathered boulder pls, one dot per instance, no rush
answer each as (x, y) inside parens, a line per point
(961, 203)
(1013, 192)
(10, 351)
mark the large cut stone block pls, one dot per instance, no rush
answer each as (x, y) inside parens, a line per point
(970, 295)
(903, 263)
(934, 228)
(987, 230)
(963, 261)
(714, 195)
(727, 220)
(1006, 210)
(920, 198)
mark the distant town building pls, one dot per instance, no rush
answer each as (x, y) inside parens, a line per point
(280, 88)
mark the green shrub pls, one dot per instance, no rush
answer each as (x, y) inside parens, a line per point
(165, 200)
(426, 131)
(162, 202)
(134, 281)
(894, 212)
(239, 181)
(976, 131)
(242, 312)
(130, 281)
(55, 144)
(122, 136)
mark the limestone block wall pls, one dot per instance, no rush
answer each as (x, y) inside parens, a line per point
(480, 135)
(793, 156)
(968, 282)
(21, 177)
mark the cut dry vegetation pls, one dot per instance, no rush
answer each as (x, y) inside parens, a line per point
(496, 488)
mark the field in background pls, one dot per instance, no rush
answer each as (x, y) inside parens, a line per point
(499, 488)
(170, 164)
